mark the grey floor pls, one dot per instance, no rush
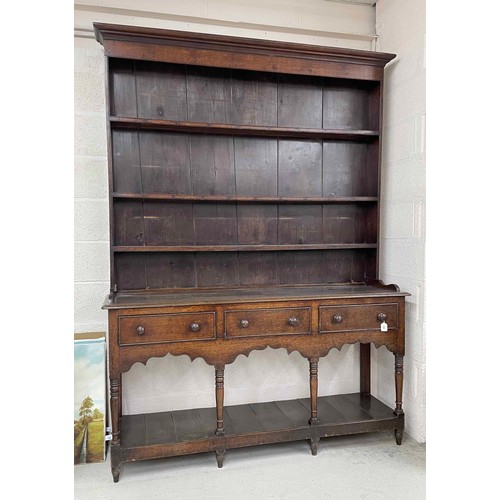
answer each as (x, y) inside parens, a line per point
(369, 466)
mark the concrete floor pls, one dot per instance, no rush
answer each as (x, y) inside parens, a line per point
(369, 466)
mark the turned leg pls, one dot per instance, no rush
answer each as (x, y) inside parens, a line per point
(313, 389)
(364, 369)
(398, 376)
(313, 385)
(115, 396)
(219, 398)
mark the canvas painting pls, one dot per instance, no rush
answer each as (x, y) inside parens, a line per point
(90, 400)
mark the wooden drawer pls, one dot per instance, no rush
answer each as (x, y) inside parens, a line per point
(261, 322)
(149, 329)
(357, 317)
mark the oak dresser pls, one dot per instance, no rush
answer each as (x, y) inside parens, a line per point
(244, 190)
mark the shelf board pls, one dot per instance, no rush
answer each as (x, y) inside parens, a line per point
(168, 297)
(244, 199)
(245, 130)
(241, 248)
(177, 432)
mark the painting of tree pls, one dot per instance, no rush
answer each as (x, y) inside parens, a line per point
(86, 410)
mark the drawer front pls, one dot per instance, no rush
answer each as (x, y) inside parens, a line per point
(357, 317)
(148, 329)
(261, 322)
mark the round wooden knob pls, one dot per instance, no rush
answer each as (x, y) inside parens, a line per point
(244, 323)
(194, 327)
(293, 321)
(337, 318)
(382, 316)
(140, 330)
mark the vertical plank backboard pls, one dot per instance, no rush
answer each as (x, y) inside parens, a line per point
(370, 263)
(216, 269)
(208, 95)
(344, 168)
(161, 91)
(345, 108)
(337, 266)
(168, 223)
(300, 102)
(299, 168)
(126, 162)
(371, 223)
(212, 165)
(129, 223)
(170, 270)
(372, 170)
(122, 87)
(257, 224)
(257, 268)
(361, 264)
(165, 163)
(130, 271)
(299, 267)
(300, 224)
(215, 224)
(256, 166)
(254, 98)
(338, 224)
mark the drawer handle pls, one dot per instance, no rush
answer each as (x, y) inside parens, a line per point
(382, 316)
(337, 318)
(140, 330)
(194, 327)
(244, 323)
(293, 321)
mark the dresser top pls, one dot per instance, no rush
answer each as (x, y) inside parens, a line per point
(124, 300)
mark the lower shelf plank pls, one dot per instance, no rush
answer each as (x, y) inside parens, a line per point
(184, 432)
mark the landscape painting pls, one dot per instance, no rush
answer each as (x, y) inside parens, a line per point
(90, 400)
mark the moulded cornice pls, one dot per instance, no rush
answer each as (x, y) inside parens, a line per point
(114, 32)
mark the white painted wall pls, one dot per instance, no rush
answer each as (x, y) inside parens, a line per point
(175, 382)
(401, 30)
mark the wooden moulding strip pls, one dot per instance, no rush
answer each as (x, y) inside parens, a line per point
(242, 248)
(244, 199)
(152, 44)
(243, 130)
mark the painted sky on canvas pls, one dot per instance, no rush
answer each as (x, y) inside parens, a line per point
(89, 374)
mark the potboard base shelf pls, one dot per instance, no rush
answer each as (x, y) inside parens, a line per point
(185, 432)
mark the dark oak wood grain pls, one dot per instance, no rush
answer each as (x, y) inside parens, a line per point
(208, 95)
(152, 44)
(342, 414)
(161, 92)
(125, 123)
(300, 102)
(244, 190)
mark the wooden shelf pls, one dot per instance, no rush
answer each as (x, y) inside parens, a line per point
(167, 433)
(242, 248)
(244, 199)
(243, 130)
(247, 294)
